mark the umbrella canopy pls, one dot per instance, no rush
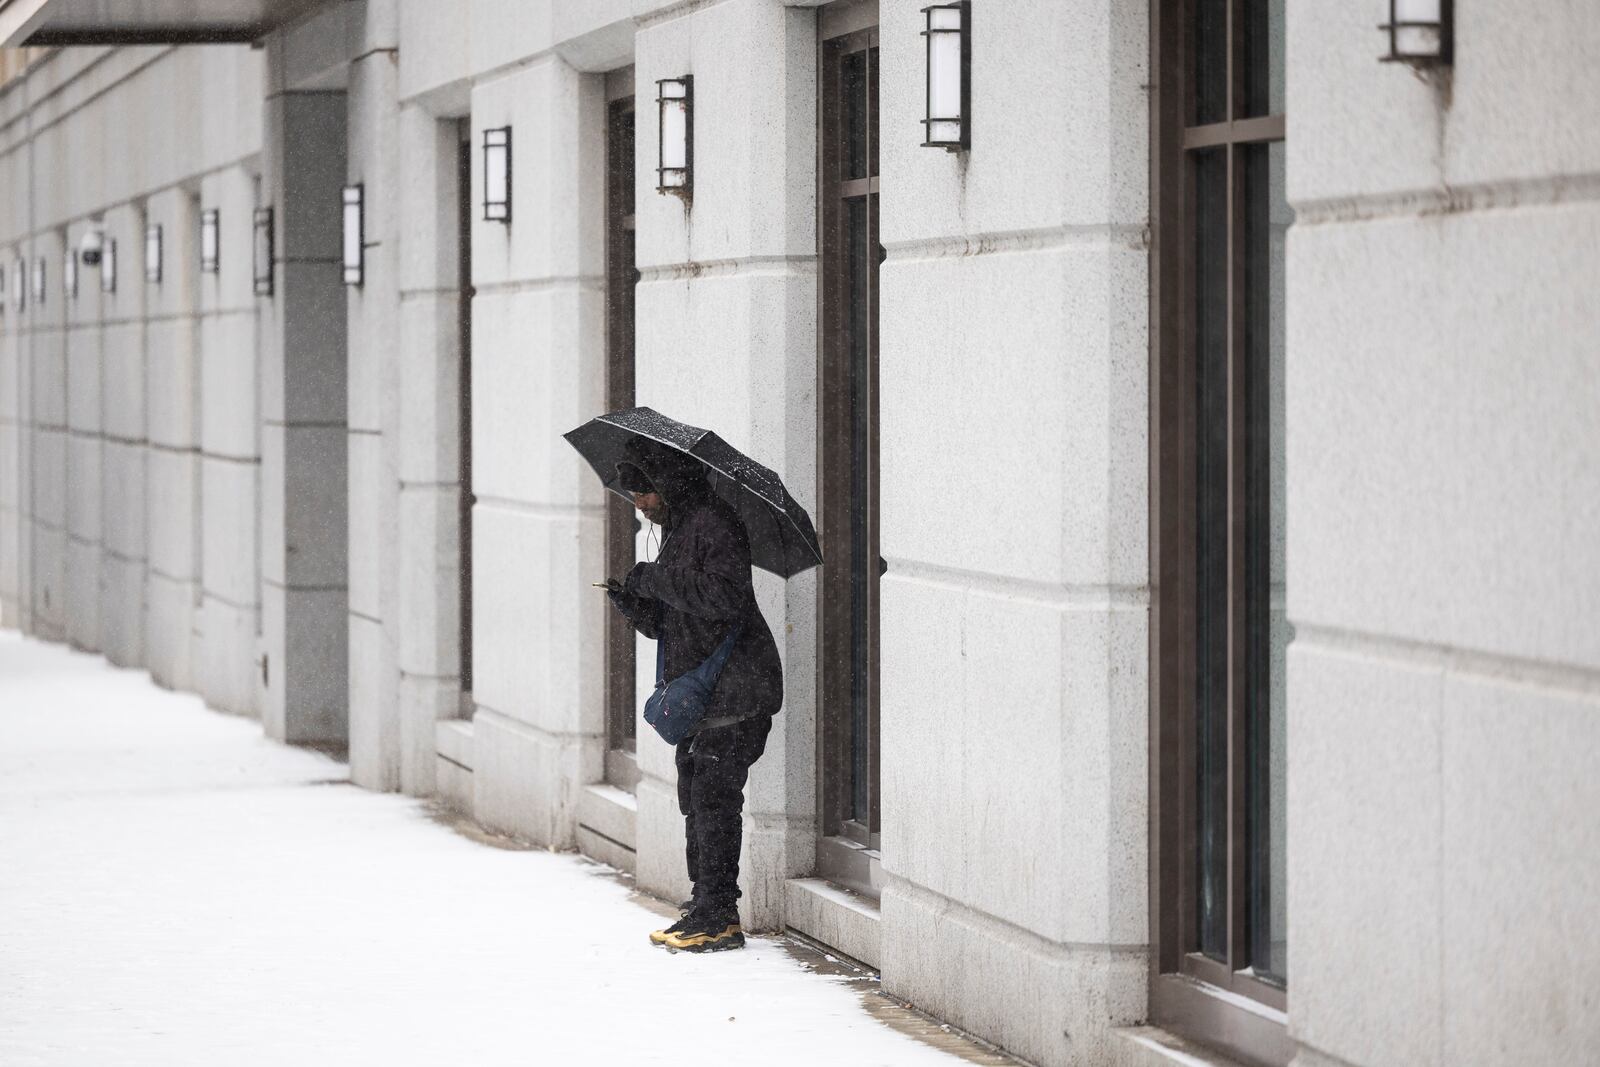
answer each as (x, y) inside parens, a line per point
(782, 539)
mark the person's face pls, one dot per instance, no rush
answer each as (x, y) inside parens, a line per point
(651, 506)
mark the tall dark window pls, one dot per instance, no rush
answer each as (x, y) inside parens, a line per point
(1220, 635)
(621, 277)
(848, 458)
(464, 217)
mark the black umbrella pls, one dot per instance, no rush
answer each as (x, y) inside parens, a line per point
(782, 539)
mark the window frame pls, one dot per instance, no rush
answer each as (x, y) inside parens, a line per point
(848, 851)
(621, 525)
(1190, 993)
(465, 292)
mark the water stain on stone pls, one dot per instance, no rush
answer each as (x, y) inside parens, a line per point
(895, 1014)
(460, 824)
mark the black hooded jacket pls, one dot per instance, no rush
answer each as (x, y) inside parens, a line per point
(699, 588)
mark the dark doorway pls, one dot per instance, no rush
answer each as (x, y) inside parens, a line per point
(847, 221)
(621, 525)
(1217, 432)
(464, 394)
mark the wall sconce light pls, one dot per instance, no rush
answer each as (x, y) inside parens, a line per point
(209, 240)
(262, 251)
(675, 136)
(38, 280)
(69, 275)
(354, 235)
(152, 253)
(1420, 31)
(108, 266)
(19, 283)
(948, 121)
(497, 174)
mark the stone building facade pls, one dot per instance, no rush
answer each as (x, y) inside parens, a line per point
(1205, 661)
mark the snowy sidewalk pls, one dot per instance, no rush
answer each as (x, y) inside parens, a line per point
(175, 889)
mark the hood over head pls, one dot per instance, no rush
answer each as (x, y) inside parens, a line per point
(680, 479)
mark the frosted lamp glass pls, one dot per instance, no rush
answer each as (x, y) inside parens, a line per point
(946, 73)
(108, 266)
(152, 253)
(38, 280)
(497, 174)
(674, 135)
(1417, 27)
(69, 275)
(1418, 11)
(1416, 41)
(944, 67)
(261, 252)
(353, 250)
(208, 241)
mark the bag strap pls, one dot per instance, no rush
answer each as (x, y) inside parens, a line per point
(717, 660)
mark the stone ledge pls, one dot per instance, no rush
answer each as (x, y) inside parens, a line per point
(957, 963)
(608, 826)
(604, 850)
(610, 812)
(1151, 1046)
(453, 763)
(452, 740)
(834, 917)
(453, 786)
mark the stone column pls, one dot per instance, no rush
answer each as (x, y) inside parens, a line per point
(172, 485)
(373, 315)
(16, 438)
(303, 427)
(123, 499)
(727, 339)
(85, 449)
(1014, 400)
(429, 439)
(13, 422)
(538, 369)
(1443, 572)
(228, 675)
(43, 323)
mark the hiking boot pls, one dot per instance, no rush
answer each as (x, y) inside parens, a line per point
(708, 931)
(659, 937)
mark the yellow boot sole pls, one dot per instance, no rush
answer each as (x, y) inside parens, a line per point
(731, 937)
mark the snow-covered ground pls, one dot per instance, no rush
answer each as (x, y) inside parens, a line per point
(175, 889)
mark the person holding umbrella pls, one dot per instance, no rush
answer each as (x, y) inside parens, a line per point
(719, 680)
(695, 598)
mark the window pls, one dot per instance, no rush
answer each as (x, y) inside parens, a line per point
(464, 295)
(622, 694)
(847, 222)
(1217, 439)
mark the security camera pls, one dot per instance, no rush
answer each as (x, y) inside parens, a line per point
(89, 248)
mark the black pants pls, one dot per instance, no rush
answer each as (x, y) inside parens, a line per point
(712, 768)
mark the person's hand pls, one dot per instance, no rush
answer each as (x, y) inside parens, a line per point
(630, 584)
